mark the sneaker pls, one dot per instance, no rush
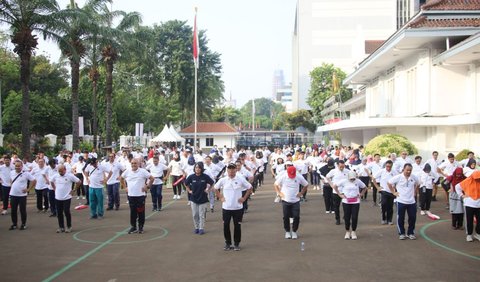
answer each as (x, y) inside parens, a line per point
(288, 235)
(196, 231)
(23, 227)
(13, 227)
(78, 198)
(354, 235)
(434, 199)
(236, 248)
(179, 197)
(4, 212)
(100, 217)
(212, 210)
(390, 223)
(140, 230)
(327, 211)
(332, 212)
(294, 235)
(227, 247)
(347, 235)
(384, 222)
(201, 232)
(402, 237)
(412, 237)
(83, 198)
(60, 230)
(52, 215)
(68, 230)
(132, 230)
(477, 236)
(94, 217)
(337, 222)
(423, 213)
(189, 203)
(469, 237)
(109, 209)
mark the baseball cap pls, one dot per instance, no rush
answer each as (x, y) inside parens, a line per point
(292, 172)
(352, 175)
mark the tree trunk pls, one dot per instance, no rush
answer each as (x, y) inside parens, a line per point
(24, 80)
(75, 72)
(95, 121)
(108, 94)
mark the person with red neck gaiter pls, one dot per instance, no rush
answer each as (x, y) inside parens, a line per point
(455, 201)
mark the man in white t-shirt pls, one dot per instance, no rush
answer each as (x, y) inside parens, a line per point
(405, 187)
(95, 174)
(114, 169)
(135, 181)
(287, 187)
(62, 184)
(18, 193)
(157, 170)
(232, 186)
(41, 186)
(5, 170)
(380, 180)
(335, 176)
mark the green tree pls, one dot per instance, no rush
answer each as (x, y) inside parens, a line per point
(267, 113)
(25, 18)
(300, 118)
(322, 87)
(226, 114)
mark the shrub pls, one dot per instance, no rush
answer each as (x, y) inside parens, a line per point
(85, 146)
(463, 154)
(390, 143)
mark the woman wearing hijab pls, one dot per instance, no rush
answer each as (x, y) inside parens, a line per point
(469, 190)
(455, 201)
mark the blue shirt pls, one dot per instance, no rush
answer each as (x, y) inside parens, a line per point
(198, 184)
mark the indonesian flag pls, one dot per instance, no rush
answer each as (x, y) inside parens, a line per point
(195, 41)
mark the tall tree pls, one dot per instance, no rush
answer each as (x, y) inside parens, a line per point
(25, 18)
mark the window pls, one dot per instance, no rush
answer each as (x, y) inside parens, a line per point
(209, 141)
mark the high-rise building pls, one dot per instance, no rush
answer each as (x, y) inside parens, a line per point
(336, 32)
(278, 83)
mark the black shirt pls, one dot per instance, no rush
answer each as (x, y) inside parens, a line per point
(198, 184)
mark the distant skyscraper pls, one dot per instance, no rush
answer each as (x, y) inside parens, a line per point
(335, 32)
(278, 83)
(230, 102)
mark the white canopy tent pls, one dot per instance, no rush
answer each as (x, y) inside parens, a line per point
(165, 136)
(175, 133)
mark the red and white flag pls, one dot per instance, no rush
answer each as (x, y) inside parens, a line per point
(196, 49)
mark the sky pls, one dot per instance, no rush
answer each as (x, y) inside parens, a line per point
(254, 37)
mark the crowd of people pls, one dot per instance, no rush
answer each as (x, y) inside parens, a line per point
(344, 175)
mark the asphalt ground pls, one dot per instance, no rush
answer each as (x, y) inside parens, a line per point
(101, 250)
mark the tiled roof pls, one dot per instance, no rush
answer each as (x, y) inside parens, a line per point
(423, 21)
(452, 5)
(210, 127)
(372, 45)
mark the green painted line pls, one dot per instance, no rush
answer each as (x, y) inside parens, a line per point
(95, 250)
(424, 235)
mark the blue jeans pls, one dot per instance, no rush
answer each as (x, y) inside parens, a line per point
(157, 197)
(53, 202)
(113, 191)
(5, 195)
(411, 210)
(96, 201)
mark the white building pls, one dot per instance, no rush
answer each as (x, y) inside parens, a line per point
(336, 32)
(284, 97)
(422, 83)
(210, 134)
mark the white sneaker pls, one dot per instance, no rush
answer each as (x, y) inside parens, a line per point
(327, 212)
(189, 203)
(423, 213)
(174, 197)
(477, 236)
(83, 198)
(4, 212)
(288, 235)
(178, 197)
(347, 235)
(78, 198)
(354, 235)
(294, 235)
(469, 238)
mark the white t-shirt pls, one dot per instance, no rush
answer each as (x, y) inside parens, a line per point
(405, 188)
(290, 187)
(374, 167)
(157, 172)
(426, 179)
(40, 174)
(351, 190)
(383, 176)
(77, 167)
(447, 167)
(232, 191)
(63, 185)
(5, 175)
(96, 175)
(177, 168)
(51, 172)
(212, 170)
(136, 180)
(116, 168)
(337, 175)
(20, 183)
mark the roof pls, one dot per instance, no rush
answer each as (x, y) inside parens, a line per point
(210, 127)
(424, 21)
(452, 5)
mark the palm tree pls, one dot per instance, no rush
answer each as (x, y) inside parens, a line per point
(110, 53)
(77, 27)
(25, 18)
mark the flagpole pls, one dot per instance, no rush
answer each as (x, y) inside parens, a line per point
(196, 67)
(195, 134)
(253, 115)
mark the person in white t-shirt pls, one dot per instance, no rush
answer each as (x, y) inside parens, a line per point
(405, 187)
(157, 170)
(51, 171)
(446, 169)
(41, 186)
(62, 185)
(114, 168)
(380, 180)
(77, 170)
(335, 176)
(350, 191)
(95, 173)
(5, 170)
(287, 187)
(18, 193)
(135, 181)
(232, 186)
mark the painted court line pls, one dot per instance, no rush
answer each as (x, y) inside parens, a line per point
(95, 250)
(424, 235)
